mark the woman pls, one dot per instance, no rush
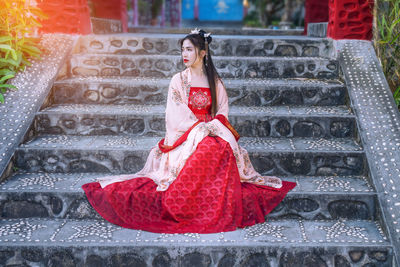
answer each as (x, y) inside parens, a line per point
(197, 179)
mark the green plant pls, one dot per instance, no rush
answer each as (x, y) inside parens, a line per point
(18, 20)
(387, 42)
(251, 20)
(268, 10)
(396, 96)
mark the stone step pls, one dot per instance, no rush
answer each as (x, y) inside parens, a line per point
(223, 45)
(227, 28)
(165, 66)
(242, 92)
(59, 195)
(97, 243)
(149, 120)
(127, 154)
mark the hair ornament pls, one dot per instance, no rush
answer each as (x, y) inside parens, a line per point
(195, 31)
(207, 40)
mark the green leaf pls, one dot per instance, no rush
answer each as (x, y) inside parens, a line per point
(382, 26)
(6, 85)
(4, 39)
(1, 98)
(6, 77)
(19, 57)
(397, 92)
(31, 48)
(4, 72)
(39, 13)
(26, 62)
(395, 39)
(6, 47)
(9, 61)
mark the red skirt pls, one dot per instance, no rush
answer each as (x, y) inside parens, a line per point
(206, 197)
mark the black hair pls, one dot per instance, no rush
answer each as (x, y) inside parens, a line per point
(201, 42)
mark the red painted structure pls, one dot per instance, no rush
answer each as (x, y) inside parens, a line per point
(316, 11)
(350, 19)
(115, 9)
(66, 16)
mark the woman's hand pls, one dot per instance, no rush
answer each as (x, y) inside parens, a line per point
(212, 129)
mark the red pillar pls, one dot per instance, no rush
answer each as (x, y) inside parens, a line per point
(196, 9)
(110, 9)
(316, 11)
(175, 13)
(350, 19)
(135, 7)
(66, 16)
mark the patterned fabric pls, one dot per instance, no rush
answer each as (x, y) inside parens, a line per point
(197, 179)
(206, 197)
(200, 103)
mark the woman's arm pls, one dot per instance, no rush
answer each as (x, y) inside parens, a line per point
(222, 99)
(223, 108)
(178, 116)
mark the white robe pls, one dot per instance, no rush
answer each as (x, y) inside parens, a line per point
(163, 168)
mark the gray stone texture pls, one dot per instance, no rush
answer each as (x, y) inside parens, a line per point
(218, 30)
(149, 120)
(164, 66)
(60, 196)
(241, 92)
(21, 105)
(118, 154)
(222, 45)
(378, 119)
(288, 100)
(287, 242)
(317, 29)
(105, 26)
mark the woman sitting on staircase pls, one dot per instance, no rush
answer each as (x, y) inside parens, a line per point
(197, 179)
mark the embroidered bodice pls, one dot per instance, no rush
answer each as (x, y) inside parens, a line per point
(200, 103)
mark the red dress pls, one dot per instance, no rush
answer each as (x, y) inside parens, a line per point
(206, 197)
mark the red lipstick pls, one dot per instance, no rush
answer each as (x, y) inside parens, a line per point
(185, 60)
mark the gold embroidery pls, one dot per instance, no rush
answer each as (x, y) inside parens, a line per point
(214, 130)
(174, 172)
(185, 82)
(176, 96)
(200, 99)
(158, 153)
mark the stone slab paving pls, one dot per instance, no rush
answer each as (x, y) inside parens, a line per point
(93, 232)
(33, 86)
(97, 243)
(332, 175)
(243, 92)
(225, 45)
(60, 196)
(221, 30)
(149, 120)
(116, 154)
(252, 144)
(233, 111)
(165, 66)
(64, 182)
(379, 123)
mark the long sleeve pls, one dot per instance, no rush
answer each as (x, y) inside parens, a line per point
(178, 116)
(222, 99)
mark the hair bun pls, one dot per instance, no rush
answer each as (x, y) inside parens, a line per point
(206, 36)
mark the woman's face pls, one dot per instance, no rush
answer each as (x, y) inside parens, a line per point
(190, 55)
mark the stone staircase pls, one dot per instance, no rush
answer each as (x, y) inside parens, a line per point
(288, 102)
